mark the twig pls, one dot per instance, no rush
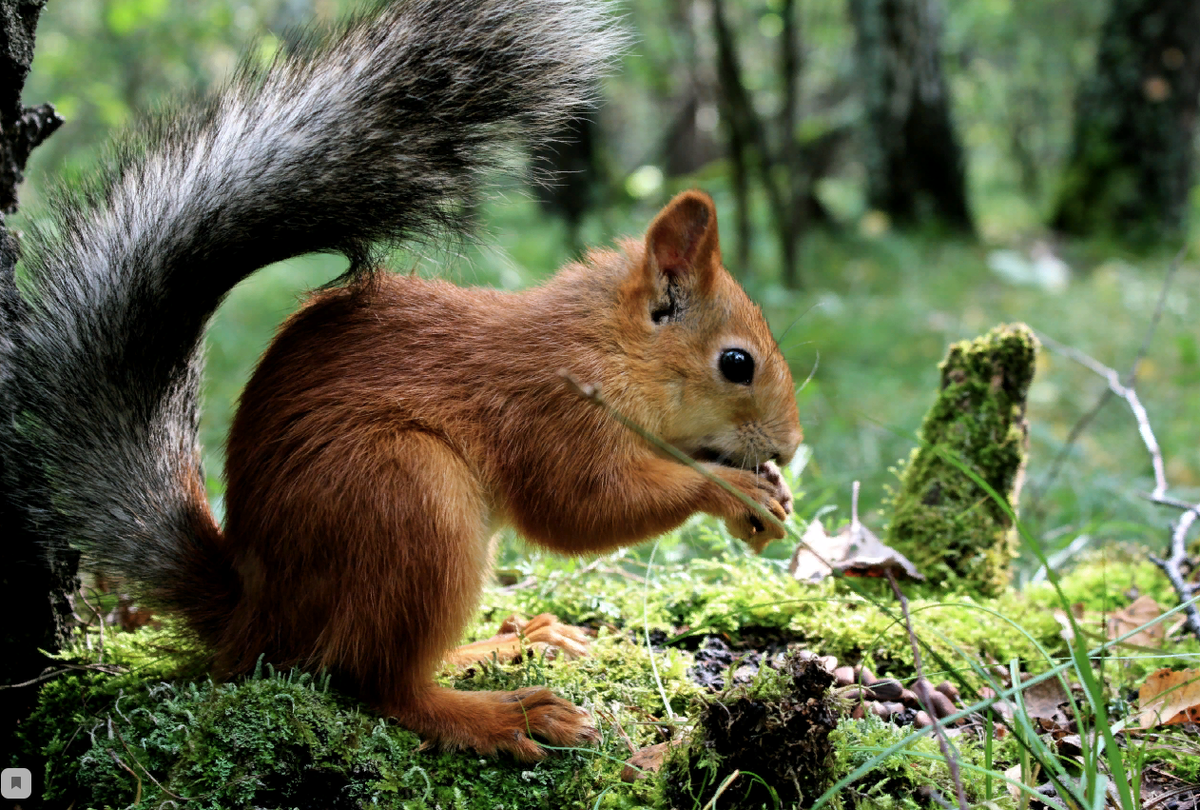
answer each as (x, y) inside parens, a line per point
(1167, 500)
(724, 787)
(137, 799)
(109, 669)
(922, 690)
(1172, 565)
(1127, 393)
(1060, 458)
(1084, 421)
(146, 771)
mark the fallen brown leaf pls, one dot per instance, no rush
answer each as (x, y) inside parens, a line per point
(1143, 610)
(854, 551)
(1047, 700)
(1169, 697)
(645, 762)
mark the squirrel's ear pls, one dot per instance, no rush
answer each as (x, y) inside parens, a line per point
(681, 243)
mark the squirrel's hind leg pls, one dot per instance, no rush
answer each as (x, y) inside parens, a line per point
(429, 566)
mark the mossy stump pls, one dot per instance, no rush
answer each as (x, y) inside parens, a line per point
(946, 523)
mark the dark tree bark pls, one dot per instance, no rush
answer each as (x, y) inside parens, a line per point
(914, 161)
(34, 579)
(1130, 168)
(789, 192)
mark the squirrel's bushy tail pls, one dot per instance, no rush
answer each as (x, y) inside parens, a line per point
(354, 139)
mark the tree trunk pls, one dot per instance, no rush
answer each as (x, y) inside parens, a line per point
(913, 157)
(1130, 168)
(35, 578)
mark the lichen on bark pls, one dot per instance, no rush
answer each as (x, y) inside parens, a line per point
(944, 521)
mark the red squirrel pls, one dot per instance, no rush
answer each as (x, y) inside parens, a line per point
(394, 423)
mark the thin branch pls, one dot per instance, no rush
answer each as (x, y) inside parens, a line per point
(1130, 378)
(1159, 308)
(1172, 566)
(1166, 500)
(1127, 393)
(109, 669)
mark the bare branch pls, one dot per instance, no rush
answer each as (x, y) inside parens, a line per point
(1084, 421)
(1127, 393)
(1172, 566)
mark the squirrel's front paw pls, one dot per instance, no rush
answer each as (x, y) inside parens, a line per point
(767, 487)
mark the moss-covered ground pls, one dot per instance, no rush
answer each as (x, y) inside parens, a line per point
(155, 735)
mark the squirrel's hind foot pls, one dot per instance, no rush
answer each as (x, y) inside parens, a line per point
(491, 722)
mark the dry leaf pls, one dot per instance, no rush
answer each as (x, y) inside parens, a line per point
(645, 762)
(1046, 700)
(1144, 609)
(1168, 697)
(816, 548)
(867, 556)
(854, 551)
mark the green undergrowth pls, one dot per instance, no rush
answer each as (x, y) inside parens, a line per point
(148, 735)
(288, 740)
(897, 783)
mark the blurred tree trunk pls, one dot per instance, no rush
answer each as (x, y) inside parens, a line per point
(35, 578)
(781, 169)
(913, 157)
(1130, 168)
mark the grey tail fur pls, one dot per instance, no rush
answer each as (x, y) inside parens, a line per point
(358, 137)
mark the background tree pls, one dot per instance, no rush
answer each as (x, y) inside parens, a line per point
(914, 162)
(1130, 169)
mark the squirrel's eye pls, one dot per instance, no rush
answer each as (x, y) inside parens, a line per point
(737, 366)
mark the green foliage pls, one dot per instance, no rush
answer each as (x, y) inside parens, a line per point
(895, 783)
(277, 738)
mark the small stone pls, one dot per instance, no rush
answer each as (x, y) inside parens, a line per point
(942, 707)
(844, 675)
(922, 720)
(830, 662)
(887, 689)
(909, 698)
(864, 676)
(949, 690)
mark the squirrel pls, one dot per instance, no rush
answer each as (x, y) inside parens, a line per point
(394, 423)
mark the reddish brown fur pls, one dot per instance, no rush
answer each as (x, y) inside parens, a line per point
(395, 423)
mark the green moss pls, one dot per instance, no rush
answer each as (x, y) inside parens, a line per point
(894, 783)
(267, 739)
(948, 525)
(284, 739)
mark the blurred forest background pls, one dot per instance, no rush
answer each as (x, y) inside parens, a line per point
(892, 175)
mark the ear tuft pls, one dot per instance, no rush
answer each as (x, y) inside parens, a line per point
(682, 242)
